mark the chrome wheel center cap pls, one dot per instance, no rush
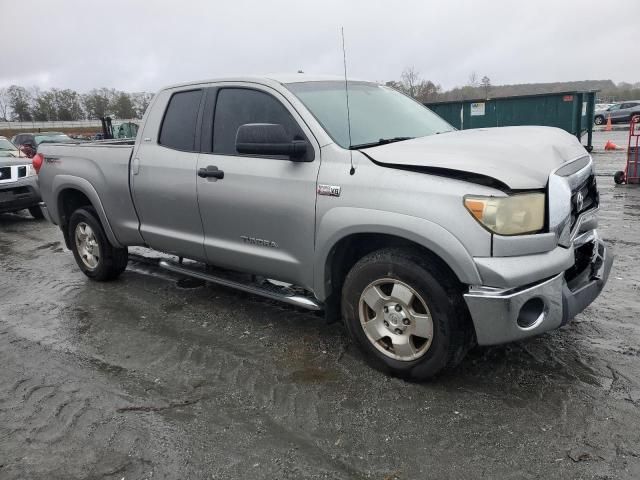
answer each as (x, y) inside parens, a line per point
(394, 319)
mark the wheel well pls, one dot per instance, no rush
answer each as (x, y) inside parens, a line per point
(346, 253)
(69, 201)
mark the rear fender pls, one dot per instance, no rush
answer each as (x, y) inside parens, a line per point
(63, 182)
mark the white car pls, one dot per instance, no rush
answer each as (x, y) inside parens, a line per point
(18, 181)
(8, 149)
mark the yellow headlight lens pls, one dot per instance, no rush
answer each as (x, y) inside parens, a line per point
(512, 215)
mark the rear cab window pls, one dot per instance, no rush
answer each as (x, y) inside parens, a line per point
(178, 129)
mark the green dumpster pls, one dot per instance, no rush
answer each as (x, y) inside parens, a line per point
(571, 111)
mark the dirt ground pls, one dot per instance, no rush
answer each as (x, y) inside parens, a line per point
(141, 379)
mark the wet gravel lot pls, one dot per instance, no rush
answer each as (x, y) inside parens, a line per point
(141, 378)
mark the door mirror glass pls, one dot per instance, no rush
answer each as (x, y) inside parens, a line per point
(268, 139)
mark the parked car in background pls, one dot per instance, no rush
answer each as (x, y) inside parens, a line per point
(29, 142)
(602, 106)
(619, 112)
(8, 149)
(18, 181)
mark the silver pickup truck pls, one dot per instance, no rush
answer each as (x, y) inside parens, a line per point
(425, 240)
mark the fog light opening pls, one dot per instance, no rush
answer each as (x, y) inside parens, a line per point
(531, 313)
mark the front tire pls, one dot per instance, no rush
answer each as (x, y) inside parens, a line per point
(598, 120)
(406, 313)
(96, 257)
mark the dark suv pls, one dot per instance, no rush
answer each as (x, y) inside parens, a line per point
(28, 142)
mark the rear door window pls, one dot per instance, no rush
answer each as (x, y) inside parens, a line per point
(178, 129)
(239, 106)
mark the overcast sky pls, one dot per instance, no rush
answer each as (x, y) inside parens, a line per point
(136, 45)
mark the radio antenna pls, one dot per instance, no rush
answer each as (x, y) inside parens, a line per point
(346, 92)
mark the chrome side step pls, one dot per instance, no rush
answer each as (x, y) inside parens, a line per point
(269, 291)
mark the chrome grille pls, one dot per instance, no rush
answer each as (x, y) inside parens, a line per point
(572, 191)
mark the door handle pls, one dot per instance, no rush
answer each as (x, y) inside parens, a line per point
(211, 172)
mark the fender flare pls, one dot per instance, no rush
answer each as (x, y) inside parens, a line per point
(341, 222)
(63, 182)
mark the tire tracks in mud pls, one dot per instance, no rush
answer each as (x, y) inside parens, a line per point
(62, 424)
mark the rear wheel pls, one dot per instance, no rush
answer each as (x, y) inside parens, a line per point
(405, 313)
(36, 212)
(96, 257)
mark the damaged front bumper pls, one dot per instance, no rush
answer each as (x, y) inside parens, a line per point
(504, 315)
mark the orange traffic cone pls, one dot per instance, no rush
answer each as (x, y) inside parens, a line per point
(609, 127)
(611, 146)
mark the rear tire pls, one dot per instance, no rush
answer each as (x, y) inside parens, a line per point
(96, 257)
(36, 212)
(618, 177)
(394, 297)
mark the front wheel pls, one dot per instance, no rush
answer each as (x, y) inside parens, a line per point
(599, 120)
(96, 257)
(406, 313)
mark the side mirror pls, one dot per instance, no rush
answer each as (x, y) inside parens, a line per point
(268, 139)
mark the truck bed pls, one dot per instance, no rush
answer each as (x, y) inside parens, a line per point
(105, 166)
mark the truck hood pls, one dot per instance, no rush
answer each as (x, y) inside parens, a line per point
(11, 160)
(518, 157)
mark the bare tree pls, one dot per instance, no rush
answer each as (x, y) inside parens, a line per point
(410, 80)
(20, 101)
(473, 80)
(486, 86)
(413, 85)
(141, 101)
(4, 104)
(97, 102)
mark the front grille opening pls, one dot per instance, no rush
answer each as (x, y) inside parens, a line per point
(5, 173)
(585, 197)
(581, 269)
(18, 190)
(22, 172)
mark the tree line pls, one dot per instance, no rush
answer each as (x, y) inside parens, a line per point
(477, 88)
(24, 105)
(21, 104)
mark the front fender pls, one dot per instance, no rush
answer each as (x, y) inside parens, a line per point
(63, 182)
(341, 222)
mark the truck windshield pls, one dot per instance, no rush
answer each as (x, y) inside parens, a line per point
(378, 114)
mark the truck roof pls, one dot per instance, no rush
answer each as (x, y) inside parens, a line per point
(282, 78)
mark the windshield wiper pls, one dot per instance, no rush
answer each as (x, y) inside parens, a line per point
(382, 141)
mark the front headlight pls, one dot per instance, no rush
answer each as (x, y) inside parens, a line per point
(31, 171)
(513, 215)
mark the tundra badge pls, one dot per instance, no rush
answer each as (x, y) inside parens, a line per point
(258, 241)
